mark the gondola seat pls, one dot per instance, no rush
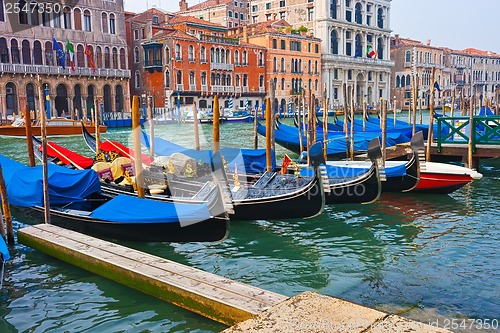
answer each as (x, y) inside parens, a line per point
(104, 171)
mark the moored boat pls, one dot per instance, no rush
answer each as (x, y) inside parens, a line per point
(444, 178)
(54, 126)
(76, 203)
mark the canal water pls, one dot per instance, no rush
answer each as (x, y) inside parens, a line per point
(428, 257)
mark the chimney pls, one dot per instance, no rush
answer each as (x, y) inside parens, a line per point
(183, 6)
(428, 42)
(245, 34)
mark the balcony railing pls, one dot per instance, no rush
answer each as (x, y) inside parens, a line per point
(57, 70)
(204, 88)
(245, 89)
(348, 59)
(192, 87)
(224, 67)
(180, 87)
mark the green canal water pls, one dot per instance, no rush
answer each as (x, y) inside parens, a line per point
(432, 258)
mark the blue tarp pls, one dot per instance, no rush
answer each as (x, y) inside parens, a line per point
(115, 210)
(248, 161)
(25, 184)
(3, 250)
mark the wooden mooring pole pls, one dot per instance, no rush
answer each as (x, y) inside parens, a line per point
(151, 127)
(196, 128)
(216, 133)
(136, 132)
(471, 128)
(6, 211)
(29, 141)
(269, 115)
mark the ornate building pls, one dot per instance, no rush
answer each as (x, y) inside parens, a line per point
(293, 59)
(414, 57)
(29, 58)
(186, 60)
(349, 31)
(481, 69)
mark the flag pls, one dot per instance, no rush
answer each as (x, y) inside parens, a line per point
(90, 57)
(436, 86)
(284, 165)
(60, 53)
(71, 52)
(369, 52)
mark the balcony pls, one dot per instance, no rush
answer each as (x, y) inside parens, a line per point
(223, 67)
(262, 89)
(57, 70)
(238, 90)
(361, 61)
(245, 89)
(153, 65)
(192, 87)
(180, 87)
(204, 88)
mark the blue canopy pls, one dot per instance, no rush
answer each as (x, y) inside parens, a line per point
(25, 184)
(249, 161)
(115, 210)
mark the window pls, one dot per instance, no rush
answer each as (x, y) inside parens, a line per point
(67, 18)
(155, 20)
(136, 55)
(348, 50)
(136, 34)
(191, 53)
(348, 16)
(104, 23)
(268, 5)
(87, 21)
(255, 8)
(380, 18)
(179, 77)
(358, 16)
(137, 80)
(310, 14)
(333, 9)
(282, 3)
(408, 56)
(275, 43)
(334, 43)
(112, 27)
(2, 13)
(369, 38)
(230, 13)
(349, 74)
(283, 44)
(178, 52)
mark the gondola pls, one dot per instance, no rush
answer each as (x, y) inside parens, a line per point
(353, 183)
(76, 203)
(158, 186)
(272, 195)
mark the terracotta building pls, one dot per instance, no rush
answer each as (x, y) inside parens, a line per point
(187, 60)
(413, 57)
(28, 58)
(293, 60)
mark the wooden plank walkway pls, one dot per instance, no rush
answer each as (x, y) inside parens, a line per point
(223, 300)
(210, 295)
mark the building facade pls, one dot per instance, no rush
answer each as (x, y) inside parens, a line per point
(188, 60)
(293, 60)
(478, 69)
(29, 59)
(420, 59)
(229, 13)
(349, 31)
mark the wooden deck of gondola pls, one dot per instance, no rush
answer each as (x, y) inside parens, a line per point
(221, 299)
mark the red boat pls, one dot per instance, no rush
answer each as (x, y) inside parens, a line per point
(55, 126)
(444, 178)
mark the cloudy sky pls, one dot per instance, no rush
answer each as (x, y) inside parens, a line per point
(457, 24)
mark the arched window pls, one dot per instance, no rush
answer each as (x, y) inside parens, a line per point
(261, 59)
(380, 48)
(123, 60)
(228, 56)
(67, 17)
(358, 16)
(408, 81)
(167, 79)
(203, 54)
(245, 80)
(77, 14)
(408, 56)
(26, 52)
(178, 52)
(398, 81)
(275, 63)
(137, 79)
(334, 42)
(236, 57)
(191, 53)
(203, 78)
(107, 58)
(87, 20)
(283, 84)
(380, 18)
(104, 23)
(359, 47)
(244, 58)
(49, 58)
(283, 65)
(179, 77)
(136, 55)
(14, 51)
(112, 24)
(261, 81)
(333, 9)
(115, 58)
(237, 80)
(80, 58)
(118, 98)
(192, 80)
(98, 56)
(4, 51)
(37, 53)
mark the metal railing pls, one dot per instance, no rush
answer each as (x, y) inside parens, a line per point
(57, 70)
(456, 130)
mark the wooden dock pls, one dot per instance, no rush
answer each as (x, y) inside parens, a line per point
(218, 298)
